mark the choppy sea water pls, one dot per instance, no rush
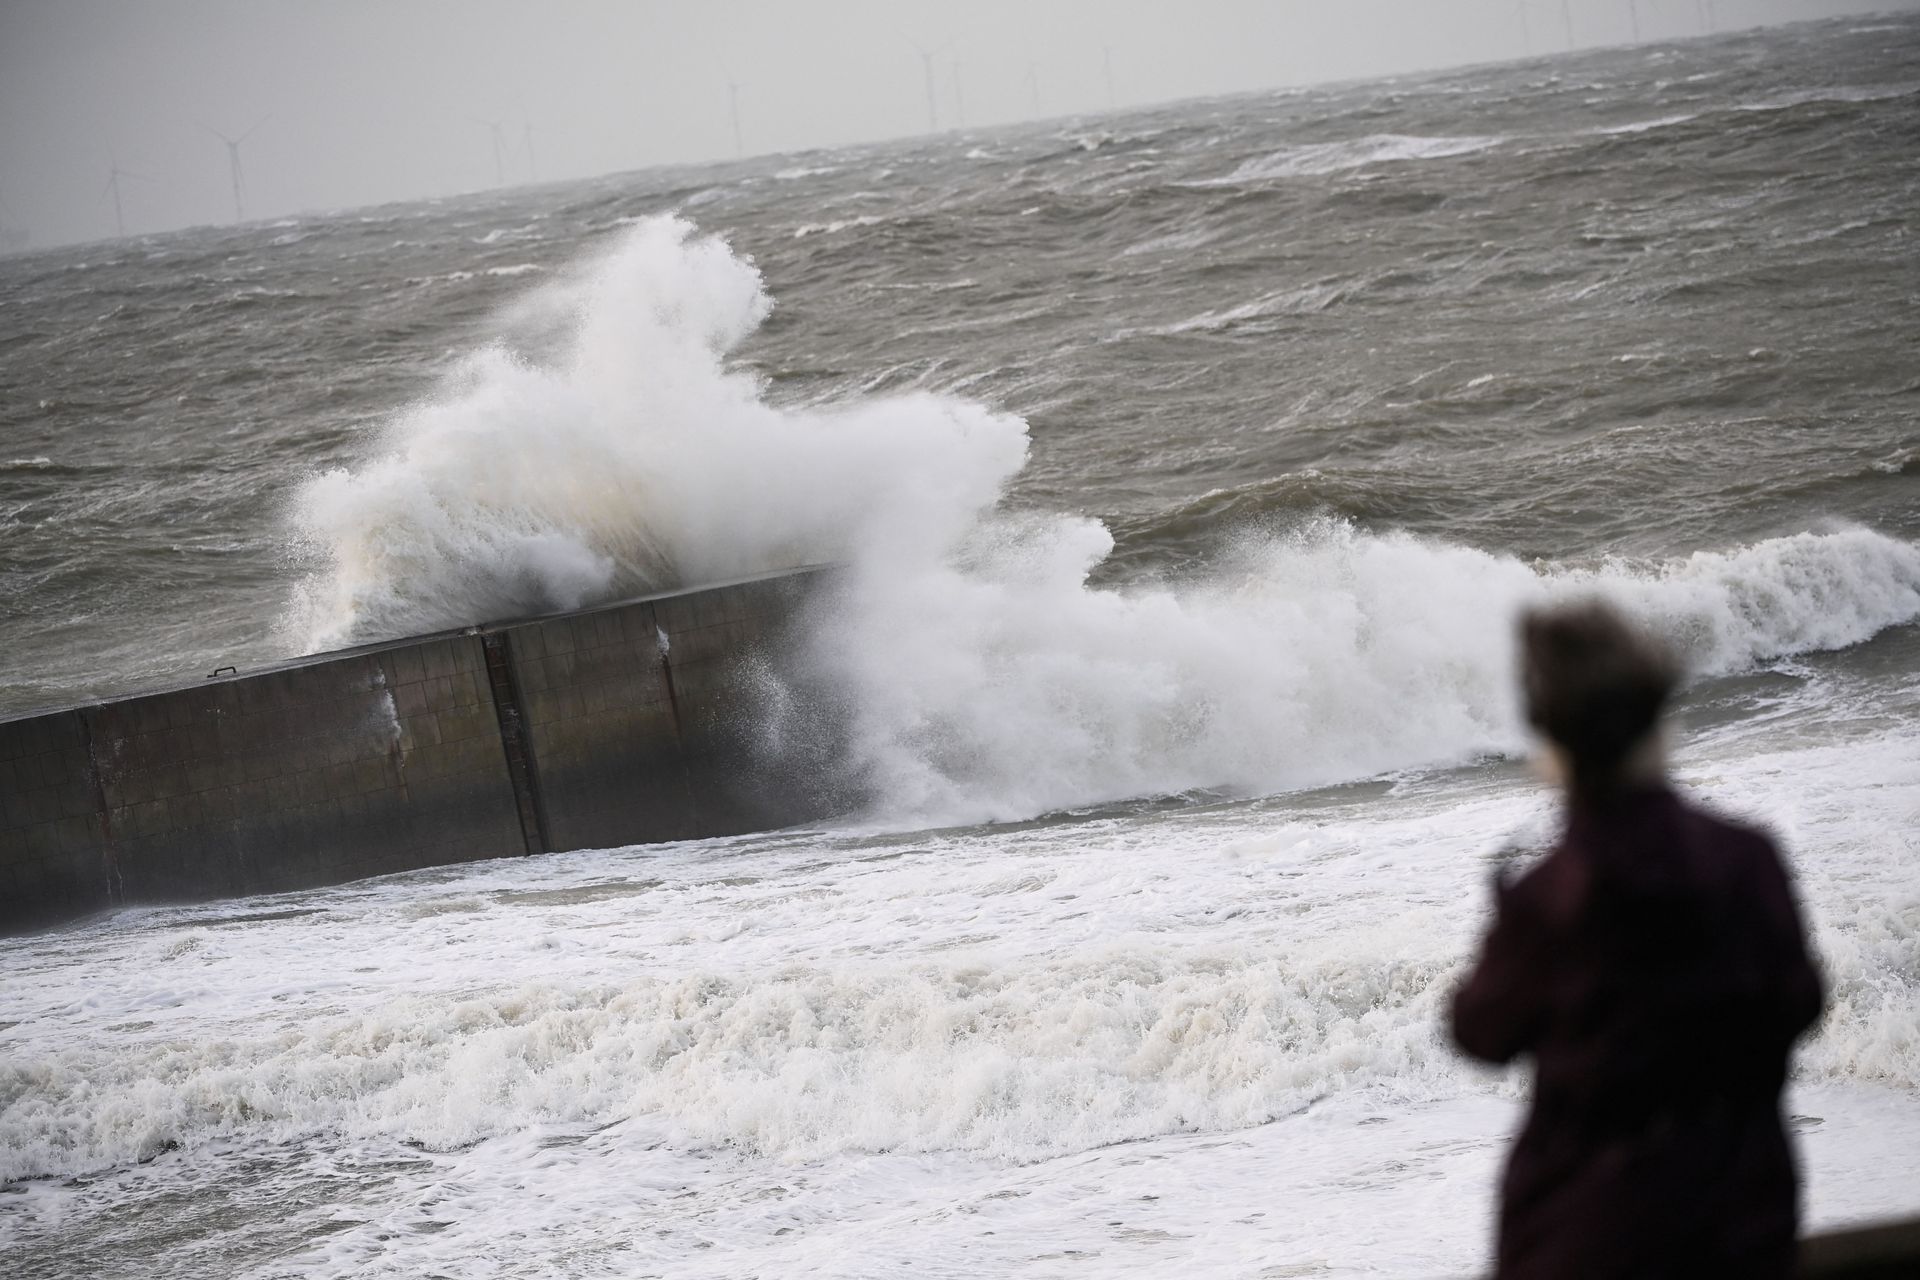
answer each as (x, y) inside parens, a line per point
(1190, 465)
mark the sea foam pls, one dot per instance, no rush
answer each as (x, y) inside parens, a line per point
(1013, 994)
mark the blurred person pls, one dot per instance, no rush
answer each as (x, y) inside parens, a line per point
(1654, 966)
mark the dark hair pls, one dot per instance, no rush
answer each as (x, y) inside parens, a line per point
(1594, 684)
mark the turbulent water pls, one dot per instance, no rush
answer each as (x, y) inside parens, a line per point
(1190, 465)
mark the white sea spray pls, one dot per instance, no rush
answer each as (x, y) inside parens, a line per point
(983, 676)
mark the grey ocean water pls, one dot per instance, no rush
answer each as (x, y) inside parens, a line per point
(1191, 461)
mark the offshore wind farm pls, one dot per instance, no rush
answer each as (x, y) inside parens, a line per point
(425, 145)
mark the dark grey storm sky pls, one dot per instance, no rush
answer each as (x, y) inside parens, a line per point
(362, 101)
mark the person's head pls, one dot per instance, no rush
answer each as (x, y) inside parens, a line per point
(1594, 686)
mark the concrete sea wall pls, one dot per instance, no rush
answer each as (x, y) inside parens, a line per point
(624, 724)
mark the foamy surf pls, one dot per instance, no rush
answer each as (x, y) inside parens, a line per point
(1021, 1063)
(1020, 996)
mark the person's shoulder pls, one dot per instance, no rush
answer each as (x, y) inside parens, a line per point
(1722, 825)
(1734, 840)
(1546, 890)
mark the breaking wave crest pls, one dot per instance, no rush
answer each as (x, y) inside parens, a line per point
(1316, 159)
(980, 675)
(1021, 1061)
(999, 685)
(632, 459)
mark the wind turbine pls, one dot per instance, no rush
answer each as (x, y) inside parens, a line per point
(1566, 18)
(1633, 15)
(114, 174)
(926, 69)
(1033, 88)
(533, 170)
(499, 151)
(959, 99)
(1526, 28)
(233, 163)
(733, 103)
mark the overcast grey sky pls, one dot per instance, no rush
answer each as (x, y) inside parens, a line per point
(362, 101)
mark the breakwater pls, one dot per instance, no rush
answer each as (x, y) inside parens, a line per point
(628, 723)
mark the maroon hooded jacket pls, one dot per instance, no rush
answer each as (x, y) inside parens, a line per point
(1655, 967)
